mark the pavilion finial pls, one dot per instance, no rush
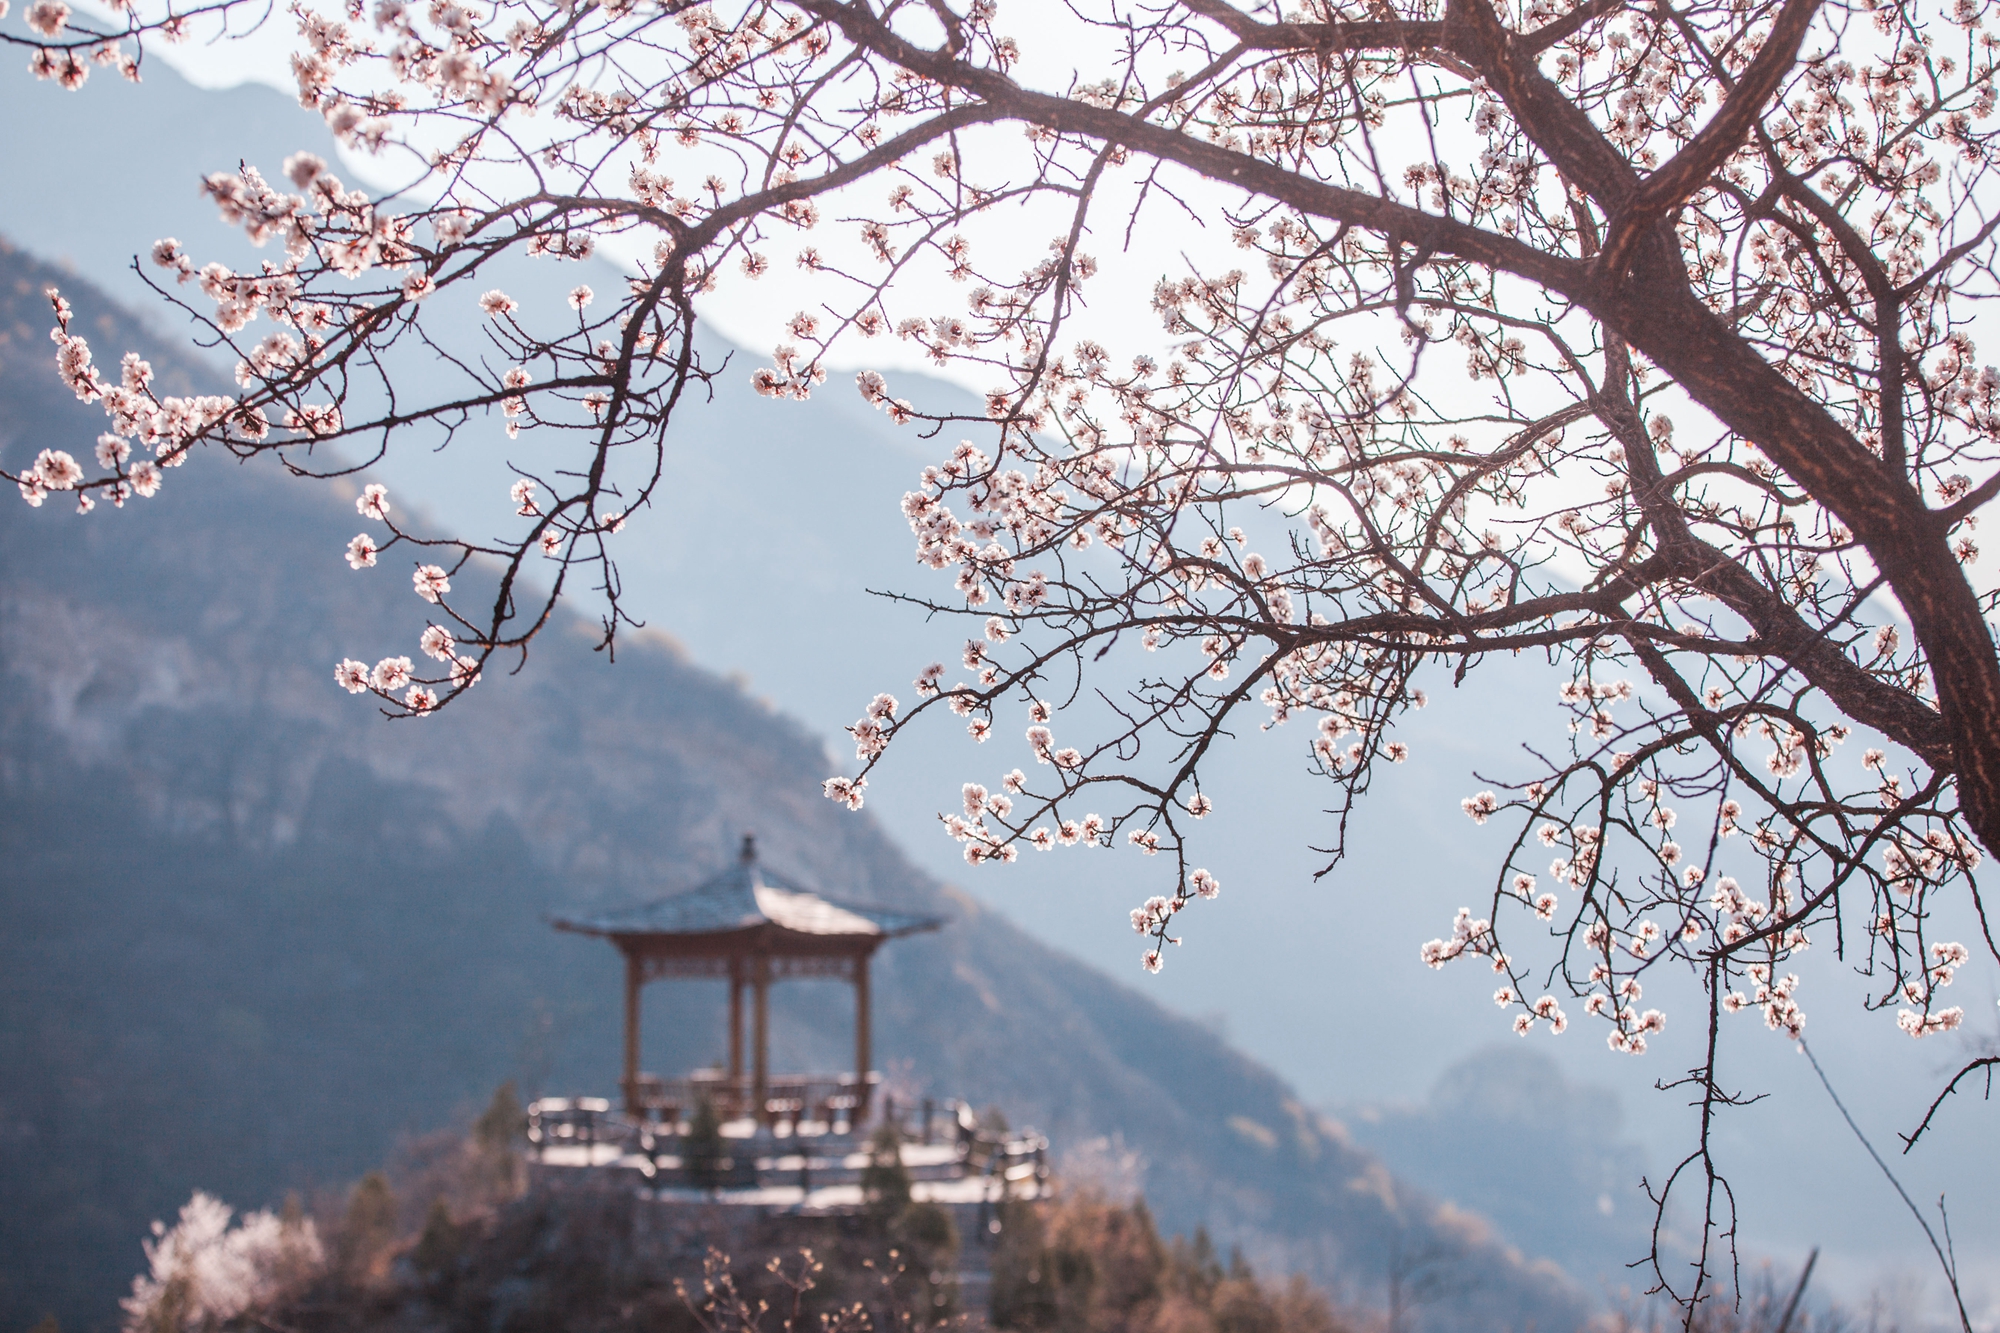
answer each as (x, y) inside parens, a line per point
(749, 853)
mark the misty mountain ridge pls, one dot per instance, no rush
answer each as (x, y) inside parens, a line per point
(257, 932)
(1504, 1134)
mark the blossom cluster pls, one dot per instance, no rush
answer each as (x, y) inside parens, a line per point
(204, 1272)
(167, 426)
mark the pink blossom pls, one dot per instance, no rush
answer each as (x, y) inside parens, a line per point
(431, 583)
(302, 169)
(315, 419)
(391, 674)
(351, 675)
(360, 552)
(373, 502)
(497, 303)
(1924, 1025)
(47, 17)
(437, 642)
(57, 470)
(847, 790)
(167, 253)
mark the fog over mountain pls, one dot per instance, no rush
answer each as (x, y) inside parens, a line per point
(254, 934)
(758, 561)
(1502, 1132)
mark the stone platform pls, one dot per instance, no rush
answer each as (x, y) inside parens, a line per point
(805, 1166)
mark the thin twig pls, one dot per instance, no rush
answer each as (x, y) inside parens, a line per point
(1792, 1305)
(1944, 1261)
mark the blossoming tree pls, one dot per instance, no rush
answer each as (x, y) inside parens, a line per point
(1634, 336)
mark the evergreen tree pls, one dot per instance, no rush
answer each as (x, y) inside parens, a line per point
(438, 1248)
(368, 1227)
(702, 1150)
(885, 1181)
(501, 1125)
(496, 1142)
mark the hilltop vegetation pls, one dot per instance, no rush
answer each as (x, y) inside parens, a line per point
(453, 1236)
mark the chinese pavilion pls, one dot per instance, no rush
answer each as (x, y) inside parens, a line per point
(752, 927)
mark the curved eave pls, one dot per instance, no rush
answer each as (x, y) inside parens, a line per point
(891, 926)
(911, 925)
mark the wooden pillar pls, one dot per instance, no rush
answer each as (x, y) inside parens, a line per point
(862, 1055)
(760, 1081)
(735, 1021)
(634, 981)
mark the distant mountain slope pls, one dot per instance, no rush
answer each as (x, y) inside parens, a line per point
(254, 932)
(1462, 1142)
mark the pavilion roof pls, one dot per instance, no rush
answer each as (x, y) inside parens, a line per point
(746, 896)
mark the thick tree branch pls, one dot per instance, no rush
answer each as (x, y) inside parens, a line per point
(1663, 192)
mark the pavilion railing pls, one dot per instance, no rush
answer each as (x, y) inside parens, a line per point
(836, 1102)
(827, 1153)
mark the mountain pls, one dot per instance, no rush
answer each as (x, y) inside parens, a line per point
(778, 519)
(1463, 1142)
(255, 932)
